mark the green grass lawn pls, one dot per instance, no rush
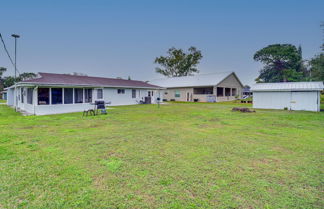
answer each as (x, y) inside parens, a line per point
(2, 101)
(178, 156)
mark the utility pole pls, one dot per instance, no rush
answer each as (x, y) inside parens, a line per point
(15, 36)
(16, 94)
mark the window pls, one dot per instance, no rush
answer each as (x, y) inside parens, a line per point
(234, 92)
(149, 93)
(68, 96)
(152, 93)
(133, 93)
(99, 94)
(22, 95)
(220, 91)
(29, 95)
(78, 95)
(43, 96)
(177, 93)
(57, 94)
(121, 91)
(227, 91)
(88, 95)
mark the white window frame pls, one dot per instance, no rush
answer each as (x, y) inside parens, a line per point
(101, 93)
(134, 90)
(120, 91)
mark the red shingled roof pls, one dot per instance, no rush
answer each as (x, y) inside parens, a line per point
(65, 79)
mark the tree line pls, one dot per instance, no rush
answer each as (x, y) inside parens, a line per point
(282, 63)
(7, 81)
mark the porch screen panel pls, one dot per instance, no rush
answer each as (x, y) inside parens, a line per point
(29, 95)
(78, 95)
(220, 91)
(207, 90)
(227, 91)
(22, 95)
(57, 96)
(234, 93)
(88, 95)
(43, 96)
(68, 96)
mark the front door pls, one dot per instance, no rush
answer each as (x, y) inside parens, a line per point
(188, 97)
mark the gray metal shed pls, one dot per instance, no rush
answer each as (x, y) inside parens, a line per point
(290, 95)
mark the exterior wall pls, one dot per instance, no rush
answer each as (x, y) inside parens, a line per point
(186, 95)
(229, 82)
(309, 101)
(60, 108)
(109, 95)
(201, 97)
(10, 97)
(271, 100)
(183, 94)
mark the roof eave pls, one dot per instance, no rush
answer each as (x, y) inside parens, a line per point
(269, 90)
(85, 85)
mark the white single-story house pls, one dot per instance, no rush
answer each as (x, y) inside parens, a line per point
(214, 87)
(51, 93)
(287, 95)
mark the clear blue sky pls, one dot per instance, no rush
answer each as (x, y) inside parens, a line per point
(122, 38)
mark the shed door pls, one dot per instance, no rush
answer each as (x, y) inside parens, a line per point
(304, 101)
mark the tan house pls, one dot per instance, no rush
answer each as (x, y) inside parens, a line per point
(216, 87)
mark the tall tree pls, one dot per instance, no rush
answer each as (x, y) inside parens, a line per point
(317, 68)
(282, 62)
(179, 63)
(26, 76)
(10, 80)
(2, 70)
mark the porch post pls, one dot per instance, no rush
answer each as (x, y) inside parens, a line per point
(83, 96)
(50, 96)
(73, 95)
(35, 96)
(62, 95)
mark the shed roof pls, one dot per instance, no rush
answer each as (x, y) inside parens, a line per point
(77, 80)
(193, 81)
(288, 86)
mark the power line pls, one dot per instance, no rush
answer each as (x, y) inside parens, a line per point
(5, 48)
